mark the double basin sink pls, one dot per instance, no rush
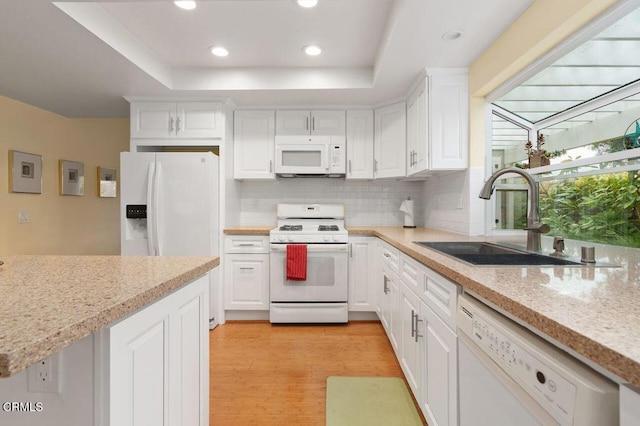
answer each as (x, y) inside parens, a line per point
(488, 254)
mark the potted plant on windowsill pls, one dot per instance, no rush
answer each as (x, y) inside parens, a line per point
(538, 156)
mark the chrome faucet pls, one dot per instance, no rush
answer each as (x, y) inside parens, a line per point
(534, 227)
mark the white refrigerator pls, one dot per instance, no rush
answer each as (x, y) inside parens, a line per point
(169, 207)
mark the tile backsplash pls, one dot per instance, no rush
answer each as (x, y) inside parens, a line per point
(366, 203)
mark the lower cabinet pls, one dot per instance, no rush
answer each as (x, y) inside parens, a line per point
(362, 252)
(425, 343)
(246, 272)
(439, 376)
(158, 362)
(247, 281)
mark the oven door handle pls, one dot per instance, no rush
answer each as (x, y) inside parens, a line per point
(314, 248)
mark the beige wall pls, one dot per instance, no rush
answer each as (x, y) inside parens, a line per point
(59, 224)
(545, 24)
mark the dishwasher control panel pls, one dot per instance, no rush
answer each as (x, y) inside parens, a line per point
(561, 385)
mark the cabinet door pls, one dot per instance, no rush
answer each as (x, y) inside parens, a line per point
(153, 120)
(409, 340)
(360, 144)
(421, 156)
(412, 133)
(293, 123)
(438, 399)
(199, 120)
(361, 258)
(328, 123)
(449, 111)
(395, 321)
(390, 141)
(254, 144)
(159, 362)
(247, 281)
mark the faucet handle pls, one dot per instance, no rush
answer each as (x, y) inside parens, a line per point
(540, 228)
(558, 246)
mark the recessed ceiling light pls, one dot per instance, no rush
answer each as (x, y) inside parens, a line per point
(312, 50)
(307, 3)
(186, 4)
(219, 51)
(451, 35)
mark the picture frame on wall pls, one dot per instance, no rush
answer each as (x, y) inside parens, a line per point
(71, 178)
(25, 172)
(107, 183)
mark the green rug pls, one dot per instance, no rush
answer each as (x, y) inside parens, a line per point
(353, 401)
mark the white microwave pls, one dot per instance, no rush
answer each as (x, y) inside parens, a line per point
(310, 156)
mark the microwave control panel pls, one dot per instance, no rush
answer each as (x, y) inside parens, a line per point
(337, 158)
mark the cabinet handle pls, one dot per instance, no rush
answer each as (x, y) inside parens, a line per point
(246, 244)
(247, 268)
(413, 327)
(270, 166)
(177, 124)
(418, 335)
(385, 288)
(313, 124)
(349, 166)
(375, 166)
(350, 250)
(387, 255)
(171, 124)
(307, 124)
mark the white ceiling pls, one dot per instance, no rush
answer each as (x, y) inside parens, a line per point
(80, 58)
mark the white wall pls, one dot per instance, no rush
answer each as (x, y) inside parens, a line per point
(451, 202)
(366, 202)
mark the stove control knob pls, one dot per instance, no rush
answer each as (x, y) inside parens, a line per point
(326, 238)
(281, 238)
(290, 238)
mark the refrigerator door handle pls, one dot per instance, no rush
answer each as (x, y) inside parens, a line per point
(156, 209)
(150, 212)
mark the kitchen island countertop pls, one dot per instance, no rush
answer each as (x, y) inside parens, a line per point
(50, 302)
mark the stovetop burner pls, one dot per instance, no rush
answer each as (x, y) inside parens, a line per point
(328, 228)
(290, 228)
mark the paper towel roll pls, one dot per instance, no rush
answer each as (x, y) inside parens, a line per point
(407, 208)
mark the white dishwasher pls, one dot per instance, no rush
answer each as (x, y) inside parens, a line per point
(509, 376)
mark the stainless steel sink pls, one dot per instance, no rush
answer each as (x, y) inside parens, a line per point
(479, 253)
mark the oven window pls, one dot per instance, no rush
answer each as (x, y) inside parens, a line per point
(320, 272)
(302, 158)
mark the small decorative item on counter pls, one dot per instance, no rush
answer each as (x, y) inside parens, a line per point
(537, 157)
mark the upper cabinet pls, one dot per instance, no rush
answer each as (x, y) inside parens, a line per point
(438, 123)
(305, 122)
(390, 141)
(360, 144)
(177, 120)
(254, 144)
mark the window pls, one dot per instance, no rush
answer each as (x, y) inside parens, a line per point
(586, 106)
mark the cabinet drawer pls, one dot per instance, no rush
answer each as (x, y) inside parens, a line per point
(391, 257)
(246, 244)
(441, 296)
(411, 272)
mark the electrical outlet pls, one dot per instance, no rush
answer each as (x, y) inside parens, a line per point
(255, 204)
(44, 376)
(24, 216)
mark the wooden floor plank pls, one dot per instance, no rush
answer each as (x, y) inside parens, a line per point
(264, 374)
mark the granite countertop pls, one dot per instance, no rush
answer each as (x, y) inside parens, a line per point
(591, 310)
(50, 302)
(249, 230)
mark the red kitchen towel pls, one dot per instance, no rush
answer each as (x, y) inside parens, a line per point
(297, 262)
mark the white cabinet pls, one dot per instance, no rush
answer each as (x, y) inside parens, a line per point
(437, 123)
(246, 272)
(305, 122)
(360, 144)
(439, 376)
(388, 292)
(390, 141)
(629, 405)
(410, 342)
(176, 120)
(158, 365)
(254, 145)
(361, 274)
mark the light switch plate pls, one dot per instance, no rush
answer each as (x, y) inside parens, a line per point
(24, 216)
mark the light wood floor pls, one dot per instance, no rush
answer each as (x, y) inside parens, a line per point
(263, 374)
